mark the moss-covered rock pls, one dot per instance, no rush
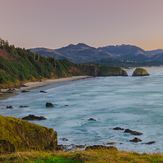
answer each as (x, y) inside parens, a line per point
(140, 72)
(19, 135)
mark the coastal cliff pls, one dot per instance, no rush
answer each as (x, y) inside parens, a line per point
(19, 135)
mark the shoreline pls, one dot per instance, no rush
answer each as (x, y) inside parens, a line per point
(5, 93)
(33, 85)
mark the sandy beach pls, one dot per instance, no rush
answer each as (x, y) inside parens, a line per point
(32, 85)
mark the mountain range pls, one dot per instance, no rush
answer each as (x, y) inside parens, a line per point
(121, 55)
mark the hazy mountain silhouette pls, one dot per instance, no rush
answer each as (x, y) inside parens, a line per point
(82, 53)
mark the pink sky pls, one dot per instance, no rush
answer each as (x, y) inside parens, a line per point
(56, 23)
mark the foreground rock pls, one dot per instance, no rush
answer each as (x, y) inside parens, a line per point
(132, 132)
(18, 135)
(31, 117)
(140, 72)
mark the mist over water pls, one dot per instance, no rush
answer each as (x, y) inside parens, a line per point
(129, 102)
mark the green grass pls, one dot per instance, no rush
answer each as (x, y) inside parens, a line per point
(57, 159)
(89, 156)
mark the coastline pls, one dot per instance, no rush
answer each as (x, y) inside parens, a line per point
(33, 85)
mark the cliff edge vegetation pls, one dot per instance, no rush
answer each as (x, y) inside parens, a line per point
(19, 135)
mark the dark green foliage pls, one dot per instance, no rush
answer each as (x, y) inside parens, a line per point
(57, 159)
(19, 65)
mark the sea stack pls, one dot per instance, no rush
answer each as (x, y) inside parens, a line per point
(140, 72)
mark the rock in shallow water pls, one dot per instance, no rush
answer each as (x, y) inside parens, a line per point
(132, 132)
(23, 106)
(25, 91)
(91, 119)
(33, 117)
(9, 107)
(118, 128)
(111, 143)
(49, 105)
(140, 72)
(43, 92)
(135, 140)
(150, 142)
(64, 139)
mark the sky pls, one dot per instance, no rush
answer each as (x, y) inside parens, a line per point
(57, 23)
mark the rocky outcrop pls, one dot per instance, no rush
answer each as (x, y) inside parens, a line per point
(132, 132)
(43, 92)
(140, 72)
(49, 105)
(9, 107)
(31, 117)
(118, 128)
(91, 119)
(111, 71)
(18, 135)
(135, 140)
(150, 142)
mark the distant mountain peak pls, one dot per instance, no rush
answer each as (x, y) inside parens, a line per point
(82, 45)
(78, 45)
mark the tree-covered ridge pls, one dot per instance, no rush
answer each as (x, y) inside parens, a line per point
(18, 65)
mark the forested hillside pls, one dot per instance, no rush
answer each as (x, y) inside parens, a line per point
(19, 65)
